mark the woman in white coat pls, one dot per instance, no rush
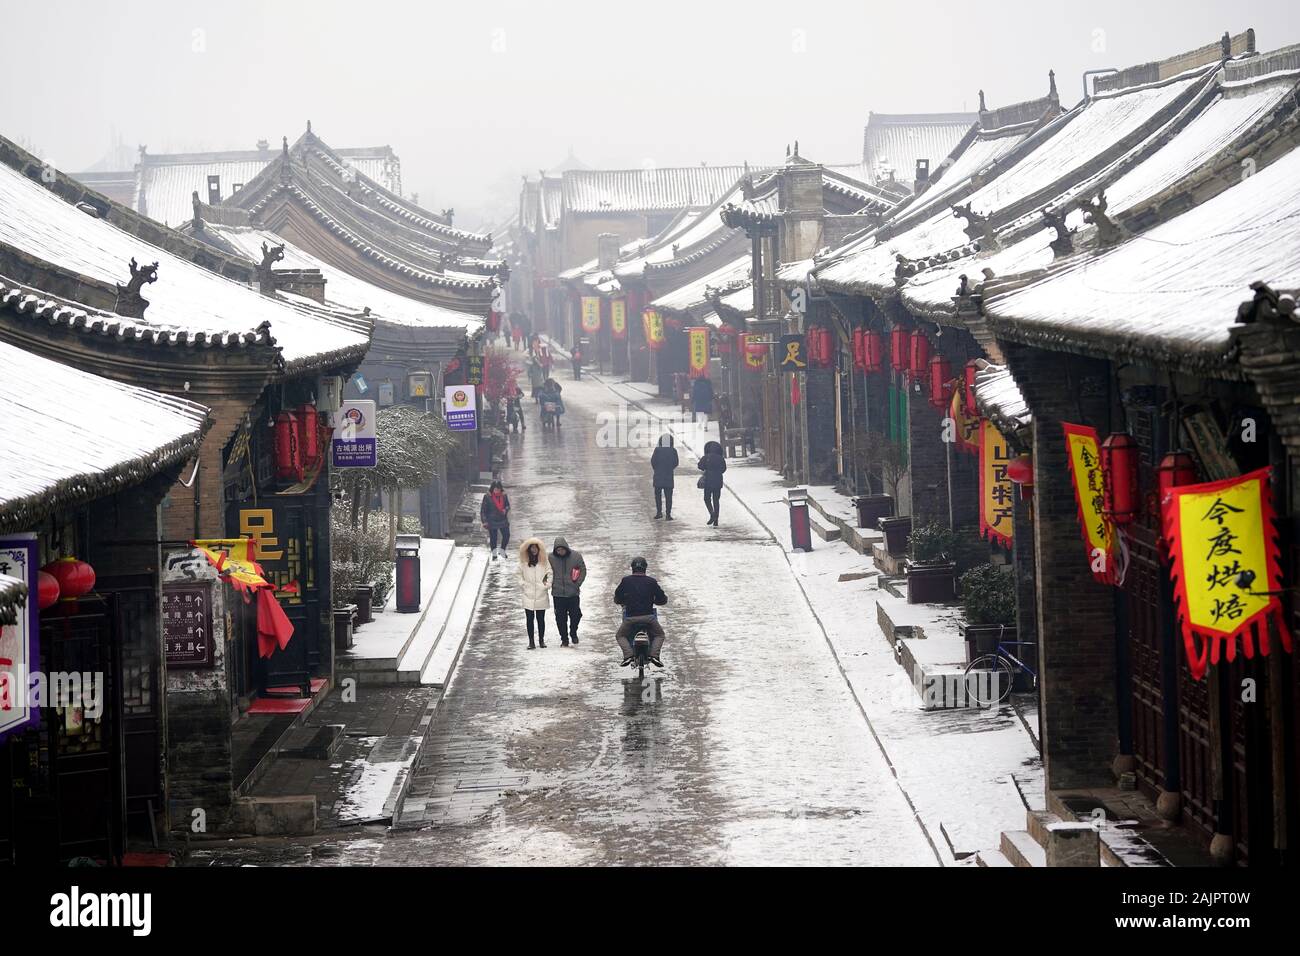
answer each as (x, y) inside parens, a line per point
(535, 579)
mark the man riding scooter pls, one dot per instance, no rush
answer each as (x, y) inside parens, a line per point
(638, 593)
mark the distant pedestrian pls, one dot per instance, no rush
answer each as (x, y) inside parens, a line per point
(552, 404)
(568, 571)
(495, 515)
(517, 335)
(576, 359)
(535, 580)
(702, 399)
(515, 411)
(506, 328)
(664, 461)
(536, 374)
(713, 464)
(547, 361)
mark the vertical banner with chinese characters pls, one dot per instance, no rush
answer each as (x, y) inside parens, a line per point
(697, 351)
(755, 353)
(966, 427)
(1084, 452)
(654, 328)
(19, 641)
(996, 492)
(591, 314)
(1224, 562)
(618, 319)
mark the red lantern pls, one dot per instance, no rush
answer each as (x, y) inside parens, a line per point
(47, 589)
(309, 436)
(898, 348)
(968, 396)
(1176, 469)
(825, 348)
(1119, 462)
(74, 578)
(920, 355)
(940, 377)
(859, 351)
(873, 351)
(494, 320)
(1021, 470)
(288, 449)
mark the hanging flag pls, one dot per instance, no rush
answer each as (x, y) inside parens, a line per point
(996, 493)
(697, 351)
(1224, 562)
(755, 354)
(618, 319)
(1084, 453)
(591, 314)
(966, 427)
(654, 328)
(235, 560)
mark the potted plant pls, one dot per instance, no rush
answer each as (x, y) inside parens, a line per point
(988, 598)
(878, 457)
(931, 571)
(897, 530)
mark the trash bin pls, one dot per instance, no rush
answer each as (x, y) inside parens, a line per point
(408, 573)
(800, 526)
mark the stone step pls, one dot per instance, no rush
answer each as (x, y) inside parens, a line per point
(1019, 847)
(827, 531)
(1037, 822)
(313, 743)
(991, 858)
(442, 662)
(885, 561)
(427, 634)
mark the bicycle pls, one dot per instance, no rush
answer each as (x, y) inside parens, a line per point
(997, 671)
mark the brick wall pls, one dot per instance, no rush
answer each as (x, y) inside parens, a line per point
(927, 457)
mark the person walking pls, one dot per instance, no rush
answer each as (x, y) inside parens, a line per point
(702, 399)
(547, 361)
(576, 359)
(535, 581)
(517, 334)
(536, 375)
(663, 462)
(505, 329)
(494, 513)
(713, 464)
(551, 402)
(568, 571)
(515, 412)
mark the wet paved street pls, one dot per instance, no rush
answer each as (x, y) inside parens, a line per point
(746, 749)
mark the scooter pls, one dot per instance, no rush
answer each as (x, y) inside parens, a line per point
(640, 641)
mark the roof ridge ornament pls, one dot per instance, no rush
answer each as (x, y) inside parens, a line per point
(265, 273)
(1094, 214)
(1063, 244)
(977, 228)
(983, 108)
(197, 221)
(130, 303)
(1051, 85)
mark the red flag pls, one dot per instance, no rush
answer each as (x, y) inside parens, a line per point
(273, 625)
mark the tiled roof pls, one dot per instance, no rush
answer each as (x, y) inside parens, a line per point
(646, 190)
(81, 436)
(893, 142)
(998, 398)
(694, 295)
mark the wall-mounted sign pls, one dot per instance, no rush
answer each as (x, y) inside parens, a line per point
(385, 395)
(793, 356)
(460, 408)
(362, 385)
(353, 444)
(590, 314)
(474, 375)
(697, 351)
(187, 625)
(618, 319)
(19, 642)
(996, 493)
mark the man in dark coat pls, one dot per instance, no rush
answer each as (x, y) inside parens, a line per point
(568, 571)
(663, 461)
(638, 594)
(713, 464)
(702, 399)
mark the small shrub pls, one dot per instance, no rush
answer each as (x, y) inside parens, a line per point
(931, 543)
(988, 595)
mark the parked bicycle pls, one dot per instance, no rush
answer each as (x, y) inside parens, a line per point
(989, 678)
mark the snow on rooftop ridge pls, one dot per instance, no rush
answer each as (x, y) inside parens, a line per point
(998, 397)
(694, 294)
(1178, 64)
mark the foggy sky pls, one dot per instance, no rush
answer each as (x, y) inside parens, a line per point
(472, 95)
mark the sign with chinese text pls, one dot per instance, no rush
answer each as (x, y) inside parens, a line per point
(474, 370)
(618, 319)
(187, 625)
(591, 314)
(285, 547)
(697, 351)
(19, 642)
(460, 408)
(1084, 453)
(353, 444)
(755, 353)
(1225, 560)
(966, 427)
(996, 490)
(792, 357)
(654, 328)
(235, 560)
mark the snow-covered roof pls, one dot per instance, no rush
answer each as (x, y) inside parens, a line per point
(998, 398)
(71, 436)
(1171, 293)
(692, 295)
(893, 142)
(346, 290)
(187, 301)
(645, 190)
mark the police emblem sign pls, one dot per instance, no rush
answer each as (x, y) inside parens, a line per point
(354, 444)
(460, 408)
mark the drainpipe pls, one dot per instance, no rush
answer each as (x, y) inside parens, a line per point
(1087, 73)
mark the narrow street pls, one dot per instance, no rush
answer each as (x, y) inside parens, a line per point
(747, 748)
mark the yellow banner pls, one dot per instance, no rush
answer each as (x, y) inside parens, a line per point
(591, 313)
(1084, 451)
(1225, 561)
(654, 328)
(618, 319)
(996, 490)
(235, 560)
(755, 355)
(967, 426)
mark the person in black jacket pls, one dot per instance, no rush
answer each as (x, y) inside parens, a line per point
(713, 464)
(663, 460)
(638, 593)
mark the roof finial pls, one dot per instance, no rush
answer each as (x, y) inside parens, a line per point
(1226, 44)
(284, 147)
(787, 150)
(983, 108)
(1051, 83)
(309, 127)
(796, 147)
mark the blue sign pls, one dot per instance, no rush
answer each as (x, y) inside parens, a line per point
(460, 408)
(362, 386)
(354, 444)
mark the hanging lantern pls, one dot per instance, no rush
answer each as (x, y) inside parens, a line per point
(1119, 462)
(920, 358)
(940, 379)
(74, 578)
(309, 436)
(1176, 469)
(968, 392)
(825, 357)
(873, 349)
(47, 589)
(859, 352)
(898, 348)
(1021, 470)
(288, 449)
